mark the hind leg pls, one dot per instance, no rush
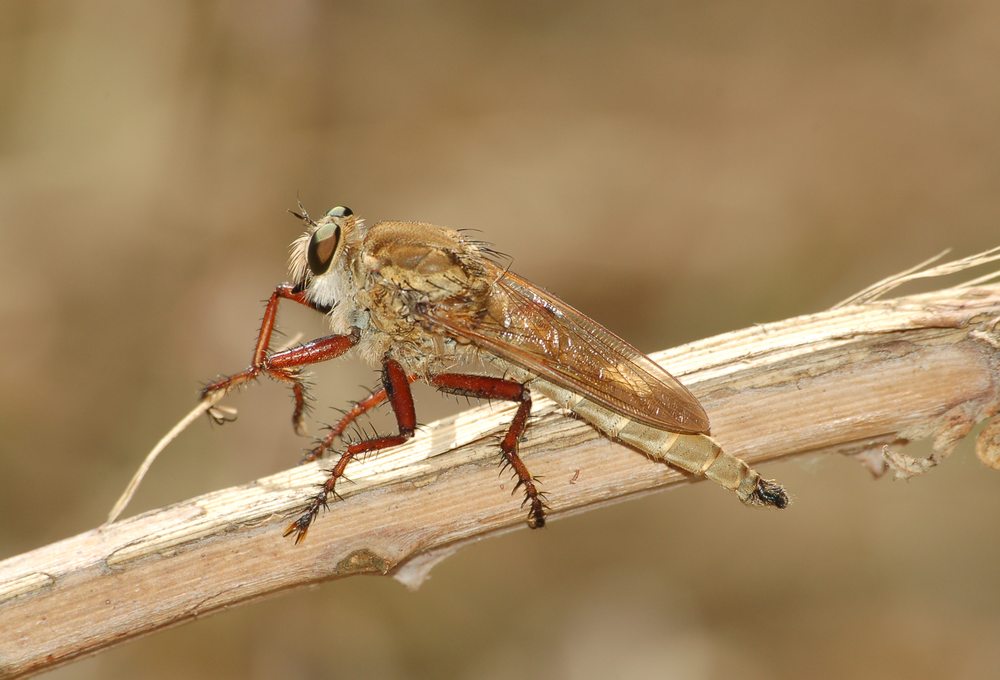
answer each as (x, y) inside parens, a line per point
(486, 387)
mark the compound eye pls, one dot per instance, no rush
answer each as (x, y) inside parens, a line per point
(323, 246)
(340, 211)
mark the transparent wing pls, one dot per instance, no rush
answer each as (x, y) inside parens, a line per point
(540, 333)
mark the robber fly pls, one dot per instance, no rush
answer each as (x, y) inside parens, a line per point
(419, 300)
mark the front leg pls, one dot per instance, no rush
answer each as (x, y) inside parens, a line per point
(284, 365)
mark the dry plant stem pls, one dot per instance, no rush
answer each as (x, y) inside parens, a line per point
(852, 379)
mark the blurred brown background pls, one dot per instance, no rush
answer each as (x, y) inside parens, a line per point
(676, 169)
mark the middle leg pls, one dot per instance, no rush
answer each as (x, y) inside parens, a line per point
(396, 388)
(360, 408)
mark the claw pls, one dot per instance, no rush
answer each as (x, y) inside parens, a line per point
(299, 527)
(536, 518)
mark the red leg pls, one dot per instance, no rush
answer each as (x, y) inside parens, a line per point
(485, 387)
(360, 408)
(395, 387)
(284, 365)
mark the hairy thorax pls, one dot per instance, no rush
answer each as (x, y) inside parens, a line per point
(401, 270)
